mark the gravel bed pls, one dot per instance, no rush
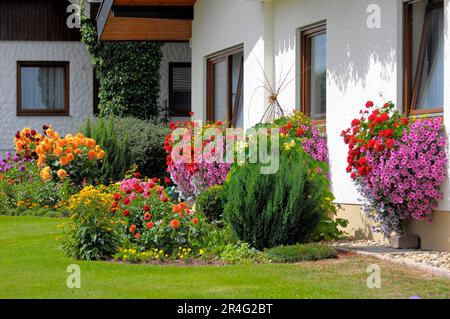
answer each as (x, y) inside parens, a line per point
(439, 260)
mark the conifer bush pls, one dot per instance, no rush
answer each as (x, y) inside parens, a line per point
(278, 209)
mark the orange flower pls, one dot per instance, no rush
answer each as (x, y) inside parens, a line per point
(64, 161)
(77, 151)
(132, 228)
(58, 151)
(61, 173)
(70, 157)
(137, 236)
(147, 216)
(92, 154)
(175, 224)
(195, 221)
(150, 225)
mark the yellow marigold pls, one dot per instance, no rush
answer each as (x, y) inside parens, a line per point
(61, 173)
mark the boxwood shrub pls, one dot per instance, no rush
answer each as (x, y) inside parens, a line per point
(297, 253)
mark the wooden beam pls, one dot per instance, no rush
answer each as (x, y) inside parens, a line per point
(154, 2)
(143, 29)
(154, 12)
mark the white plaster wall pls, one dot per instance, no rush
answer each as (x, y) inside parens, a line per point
(171, 52)
(81, 90)
(222, 24)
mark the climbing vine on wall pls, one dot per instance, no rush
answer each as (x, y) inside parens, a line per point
(128, 74)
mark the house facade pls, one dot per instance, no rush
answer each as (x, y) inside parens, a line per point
(45, 71)
(46, 74)
(325, 58)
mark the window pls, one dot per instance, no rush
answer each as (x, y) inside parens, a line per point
(314, 73)
(423, 56)
(42, 88)
(225, 87)
(179, 89)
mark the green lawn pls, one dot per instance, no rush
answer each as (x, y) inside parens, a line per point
(32, 265)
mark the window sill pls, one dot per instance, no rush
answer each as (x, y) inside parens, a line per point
(42, 113)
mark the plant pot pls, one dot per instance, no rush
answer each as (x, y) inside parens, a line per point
(404, 241)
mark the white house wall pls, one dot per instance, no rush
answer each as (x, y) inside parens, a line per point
(219, 25)
(81, 89)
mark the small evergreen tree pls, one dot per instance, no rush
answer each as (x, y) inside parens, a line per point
(278, 209)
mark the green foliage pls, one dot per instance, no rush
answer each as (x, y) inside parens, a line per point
(241, 253)
(25, 193)
(92, 232)
(211, 203)
(145, 141)
(117, 159)
(128, 141)
(128, 73)
(297, 253)
(284, 208)
(329, 229)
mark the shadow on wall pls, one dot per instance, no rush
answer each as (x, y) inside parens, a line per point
(353, 48)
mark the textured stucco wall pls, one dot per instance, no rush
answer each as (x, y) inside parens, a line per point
(171, 52)
(81, 90)
(220, 25)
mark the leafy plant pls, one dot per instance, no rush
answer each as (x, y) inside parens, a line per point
(297, 253)
(151, 221)
(145, 140)
(93, 230)
(128, 74)
(281, 208)
(211, 203)
(117, 159)
(241, 253)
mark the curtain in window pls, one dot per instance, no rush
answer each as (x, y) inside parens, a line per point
(429, 92)
(42, 88)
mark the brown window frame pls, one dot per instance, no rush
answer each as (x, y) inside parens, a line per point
(410, 86)
(231, 109)
(173, 65)
(44, 112)
(305, 64)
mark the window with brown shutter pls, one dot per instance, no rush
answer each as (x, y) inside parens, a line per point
(179, 89)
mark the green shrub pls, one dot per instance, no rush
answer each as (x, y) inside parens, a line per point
(284, 208)
(296, 253)
(211, 203)
(145, 143)
(241, 253)
(117, 159)
(129, 141)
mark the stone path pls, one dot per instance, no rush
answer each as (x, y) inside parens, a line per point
(434, 262)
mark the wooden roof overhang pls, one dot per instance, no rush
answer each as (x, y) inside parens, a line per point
(145, 20)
